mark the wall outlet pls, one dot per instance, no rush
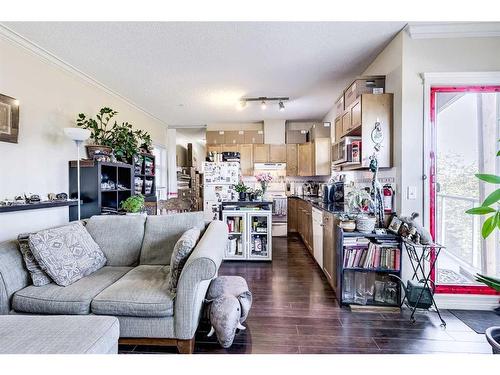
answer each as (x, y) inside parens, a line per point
(411, 192)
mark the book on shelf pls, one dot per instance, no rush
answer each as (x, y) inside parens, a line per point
(373, 256)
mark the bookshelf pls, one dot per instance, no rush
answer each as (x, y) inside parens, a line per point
(144, 176)
(364, 268)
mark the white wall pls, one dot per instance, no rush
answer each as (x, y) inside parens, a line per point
(274, 132)
(50, 98)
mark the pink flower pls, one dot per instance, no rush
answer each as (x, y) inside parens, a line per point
(264, 177)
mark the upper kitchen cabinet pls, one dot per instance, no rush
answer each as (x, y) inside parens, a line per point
(322, 160)
(305, 159)
(234, 137)
(292, 159)
(254, 136)
(215, 137)
(363, 85)
(246, 159)
(277, 153)
(260, 153)
(214, 148)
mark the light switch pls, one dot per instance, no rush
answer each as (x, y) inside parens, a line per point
(412, 192)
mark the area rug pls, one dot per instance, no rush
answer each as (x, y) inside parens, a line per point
(478, 320)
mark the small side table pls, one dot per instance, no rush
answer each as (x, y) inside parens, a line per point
(419, 255)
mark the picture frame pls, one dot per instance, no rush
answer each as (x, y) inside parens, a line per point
(9, 119)
(394, 225)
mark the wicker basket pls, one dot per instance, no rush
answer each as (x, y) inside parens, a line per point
(365, 224)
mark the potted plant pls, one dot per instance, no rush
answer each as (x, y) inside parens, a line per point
(490, 206)
(241, 189)
(100, 134)
(133, 205)
(359, 202)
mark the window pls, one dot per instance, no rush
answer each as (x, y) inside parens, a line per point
(465, 131)
(160, 154)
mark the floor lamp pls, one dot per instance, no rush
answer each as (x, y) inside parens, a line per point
(78, 136)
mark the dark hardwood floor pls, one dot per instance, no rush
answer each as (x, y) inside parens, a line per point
(295, 311)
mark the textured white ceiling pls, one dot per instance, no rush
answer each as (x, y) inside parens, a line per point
(194, 72)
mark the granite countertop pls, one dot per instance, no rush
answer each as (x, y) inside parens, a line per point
(334, 208)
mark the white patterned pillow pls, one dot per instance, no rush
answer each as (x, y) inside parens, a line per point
(182, 250)
(66, 253)
(38, 276)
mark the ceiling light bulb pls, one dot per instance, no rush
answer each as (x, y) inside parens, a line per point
(263, 105)
(282, 106)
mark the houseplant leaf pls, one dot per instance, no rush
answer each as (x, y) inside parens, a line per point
(491, 178)
(492, 198)
(489, 224)
(481, 210)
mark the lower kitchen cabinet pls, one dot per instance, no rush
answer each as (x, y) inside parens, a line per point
(329, 250)
(292, 215)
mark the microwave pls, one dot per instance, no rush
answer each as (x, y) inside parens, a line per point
(347, 150)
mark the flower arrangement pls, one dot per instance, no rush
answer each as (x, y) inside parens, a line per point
(264, 179)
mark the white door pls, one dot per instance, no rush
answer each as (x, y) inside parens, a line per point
(317, 217)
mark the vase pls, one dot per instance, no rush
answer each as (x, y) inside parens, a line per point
(263, 186)
(242, 195)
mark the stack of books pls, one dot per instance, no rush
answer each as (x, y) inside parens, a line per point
(356, 241)
(374, 256)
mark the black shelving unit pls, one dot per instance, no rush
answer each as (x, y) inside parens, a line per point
(383, 274)
(95, 198)
(144, 176)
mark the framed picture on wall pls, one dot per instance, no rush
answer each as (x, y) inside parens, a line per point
(9, 119)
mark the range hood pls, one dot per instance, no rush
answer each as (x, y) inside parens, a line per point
(270, 166)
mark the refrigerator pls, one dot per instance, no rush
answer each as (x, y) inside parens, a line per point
(219, 179)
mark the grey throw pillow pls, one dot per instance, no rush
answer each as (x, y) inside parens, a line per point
(38, 276)
(182, 249)
(66, 253)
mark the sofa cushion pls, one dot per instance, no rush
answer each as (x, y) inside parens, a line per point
(38, 276)
(66, 253)
(180, 255)
(71, 300)
(163, 231)
(120, 237)
(142, 292)
(21, 334)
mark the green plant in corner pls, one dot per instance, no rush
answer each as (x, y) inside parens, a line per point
(133, 204)
(493, 221)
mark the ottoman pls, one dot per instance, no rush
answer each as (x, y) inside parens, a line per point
(58, 334)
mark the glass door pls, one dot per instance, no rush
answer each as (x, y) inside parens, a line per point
(260, 239)
(236, 224)
(465, 132)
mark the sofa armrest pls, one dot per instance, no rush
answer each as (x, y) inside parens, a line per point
(13, 274)
(201, 267)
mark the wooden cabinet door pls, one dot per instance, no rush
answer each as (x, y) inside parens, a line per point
(356, 114)
(309, 228)
(260, 153)
(234, 137)
(214, 148)
(292, 215)
(291, 159)
(215, 137)
(305, 162)
(229, 148)
(338, 129)
(246, 159)
(277, 153)
(322, 160)
(329, 248)
(346, 122)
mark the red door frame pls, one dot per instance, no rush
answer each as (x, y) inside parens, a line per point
(451, 289)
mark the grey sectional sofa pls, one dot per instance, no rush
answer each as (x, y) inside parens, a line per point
(132, 285)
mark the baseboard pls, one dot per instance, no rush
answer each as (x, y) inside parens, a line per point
(466, 301)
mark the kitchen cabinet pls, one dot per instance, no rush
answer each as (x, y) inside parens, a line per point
(322, 159)
(292, 159)
(292, 221)
(254, 136)
(329, 249)
(215, 137)
(363, 85)
(260, 153)
(305, 159)
(277, 153)
(346, 122)
(304, 218)
(338, 129)
(214, 148)
(234, 137)
(317, 235)
(229, 148)
(246, 159)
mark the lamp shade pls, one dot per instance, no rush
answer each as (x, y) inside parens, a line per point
(77, 134)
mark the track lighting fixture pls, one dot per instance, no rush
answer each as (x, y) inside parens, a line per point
(263, 102)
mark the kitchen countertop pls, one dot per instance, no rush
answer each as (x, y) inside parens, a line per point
(334, 208)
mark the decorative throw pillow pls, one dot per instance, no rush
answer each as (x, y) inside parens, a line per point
(182, 249)
(38, 276)
(66, 253)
